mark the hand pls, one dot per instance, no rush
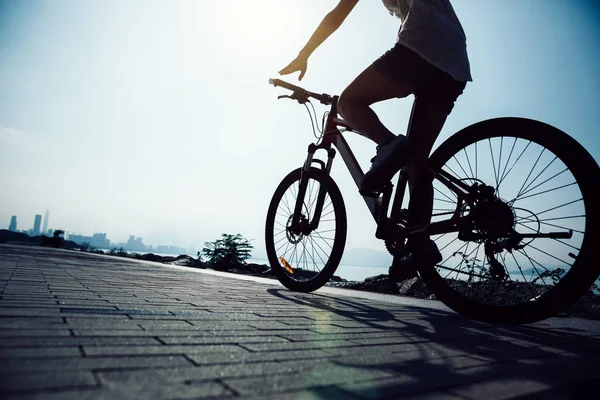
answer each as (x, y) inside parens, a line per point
(300, 63)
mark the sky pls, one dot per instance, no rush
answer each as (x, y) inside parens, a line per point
(154, 118)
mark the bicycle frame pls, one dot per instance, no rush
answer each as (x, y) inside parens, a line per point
(379, 208)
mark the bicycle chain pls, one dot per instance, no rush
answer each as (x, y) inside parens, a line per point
(444, 213)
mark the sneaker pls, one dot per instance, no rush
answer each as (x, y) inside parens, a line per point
(404, 267)
(390, 158)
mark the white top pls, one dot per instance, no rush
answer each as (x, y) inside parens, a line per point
(431, 29)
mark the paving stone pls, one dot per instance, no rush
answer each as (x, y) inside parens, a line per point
(145, 330)
(308, 345)
(144, 363)
(503, 388)
(39, 352)
(32, 332)
(213, 339)
(160, 349)
(76, 341)
(320, 393)
(321, 375)
(32, 381)
(244, 356)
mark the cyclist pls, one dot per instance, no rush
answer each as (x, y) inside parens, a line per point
(430, 61)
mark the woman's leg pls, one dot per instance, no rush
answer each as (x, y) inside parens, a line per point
(428, 119)
(354, 103)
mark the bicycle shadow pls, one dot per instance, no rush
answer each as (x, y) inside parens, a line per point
(435, 350)
(359, 312)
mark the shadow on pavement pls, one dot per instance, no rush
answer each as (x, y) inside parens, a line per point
(436, 350)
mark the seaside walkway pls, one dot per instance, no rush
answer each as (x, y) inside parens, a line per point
(84, 326)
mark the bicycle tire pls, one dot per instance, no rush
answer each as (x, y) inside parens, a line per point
(293, 275)
(579, 277)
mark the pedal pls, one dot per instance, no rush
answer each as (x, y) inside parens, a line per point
(373, 194)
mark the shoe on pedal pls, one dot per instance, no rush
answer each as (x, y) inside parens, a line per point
(404, 267)
(389, 159)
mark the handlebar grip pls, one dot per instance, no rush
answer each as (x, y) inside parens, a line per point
(278, 82)
(323, 98)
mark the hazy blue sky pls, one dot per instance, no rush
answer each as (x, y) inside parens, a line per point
(154, 118)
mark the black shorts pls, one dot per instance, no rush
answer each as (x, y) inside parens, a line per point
(404, 66)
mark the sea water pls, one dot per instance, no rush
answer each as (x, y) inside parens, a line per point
(348, 272)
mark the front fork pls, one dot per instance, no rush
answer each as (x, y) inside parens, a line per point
(297, 225)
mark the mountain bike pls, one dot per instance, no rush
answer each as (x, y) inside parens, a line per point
(515, 216)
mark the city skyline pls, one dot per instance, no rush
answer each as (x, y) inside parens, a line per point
(98, 239)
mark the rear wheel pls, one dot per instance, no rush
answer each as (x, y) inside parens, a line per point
(304, 259)
(544, 181)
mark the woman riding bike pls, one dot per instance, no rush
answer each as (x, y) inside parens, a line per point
(430, 61)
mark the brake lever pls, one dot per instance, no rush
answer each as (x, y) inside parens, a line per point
(295, 96)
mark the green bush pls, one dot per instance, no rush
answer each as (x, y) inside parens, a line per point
(227, 251)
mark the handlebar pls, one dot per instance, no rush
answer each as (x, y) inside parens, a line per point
(301, 94)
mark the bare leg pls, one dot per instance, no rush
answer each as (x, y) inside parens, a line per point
(428, 120)
(369, 87)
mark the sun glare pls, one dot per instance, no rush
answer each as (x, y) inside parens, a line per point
(264, 25)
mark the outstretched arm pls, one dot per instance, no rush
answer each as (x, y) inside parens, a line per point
(330, 24)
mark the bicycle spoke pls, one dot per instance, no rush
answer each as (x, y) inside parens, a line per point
(493, 162)
(468, 163)
(531, 171)
(522, 274)
(447, 258)
(515, 163)
(285, 202)
(476, 170)
(558, 240)
(452, 241)
(557, 226)
(549, 255)
(458, 270)
(543, 192)
(311, 202)
(319, 247)
(445, 201)
(460, 166)
(443, 194)
(527, 188)
(560, 206)
(281, 215)
(280, 224)
(502, 176)
(535, 268)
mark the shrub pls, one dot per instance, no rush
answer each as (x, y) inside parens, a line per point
(227, 251)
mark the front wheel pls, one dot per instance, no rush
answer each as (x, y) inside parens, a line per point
(543, 181)
(305, 258)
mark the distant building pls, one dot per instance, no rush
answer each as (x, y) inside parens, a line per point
(135, 244)
(36, 224)
(80, 239)
(100, 241)
(13, 224)
(161, 249)
(45, 227)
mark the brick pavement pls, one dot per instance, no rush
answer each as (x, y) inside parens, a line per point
(82, 326)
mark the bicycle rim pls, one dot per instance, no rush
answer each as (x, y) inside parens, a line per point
(541, 177)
